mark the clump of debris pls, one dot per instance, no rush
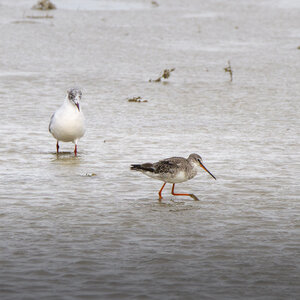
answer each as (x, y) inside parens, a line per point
(137, 99)
(44, 5)
(165, 75)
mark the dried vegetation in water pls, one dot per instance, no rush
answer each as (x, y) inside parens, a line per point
(44, 5)
(166, 74)
(137, 99)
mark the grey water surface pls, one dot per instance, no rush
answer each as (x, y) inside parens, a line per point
(88, 227)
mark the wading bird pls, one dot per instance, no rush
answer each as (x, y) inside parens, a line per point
(173, 170)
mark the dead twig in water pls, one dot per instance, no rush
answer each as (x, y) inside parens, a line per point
(44, 5)
(166, 74)
(137, 99)
(229, 70)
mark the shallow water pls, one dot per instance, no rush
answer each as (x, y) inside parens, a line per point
(88, 227)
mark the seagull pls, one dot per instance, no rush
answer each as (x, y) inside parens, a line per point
(173, 170)
(67, 124)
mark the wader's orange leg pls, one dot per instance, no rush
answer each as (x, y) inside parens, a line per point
(191, 195)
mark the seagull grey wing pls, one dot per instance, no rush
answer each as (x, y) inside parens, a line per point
(50, 123)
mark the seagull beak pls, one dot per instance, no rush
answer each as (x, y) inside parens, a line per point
(202, 166)
(76, 101)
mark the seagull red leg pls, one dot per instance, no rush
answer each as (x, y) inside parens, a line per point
(191, 195)
(57, 147)
(160, 197)
(75, 150)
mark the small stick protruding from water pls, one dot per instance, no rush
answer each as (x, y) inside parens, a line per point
(229, 70)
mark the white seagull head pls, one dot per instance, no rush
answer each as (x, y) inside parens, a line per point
(74, 95)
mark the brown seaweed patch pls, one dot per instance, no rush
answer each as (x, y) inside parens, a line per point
(44, 5)
(137, 99)
(165, 75)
